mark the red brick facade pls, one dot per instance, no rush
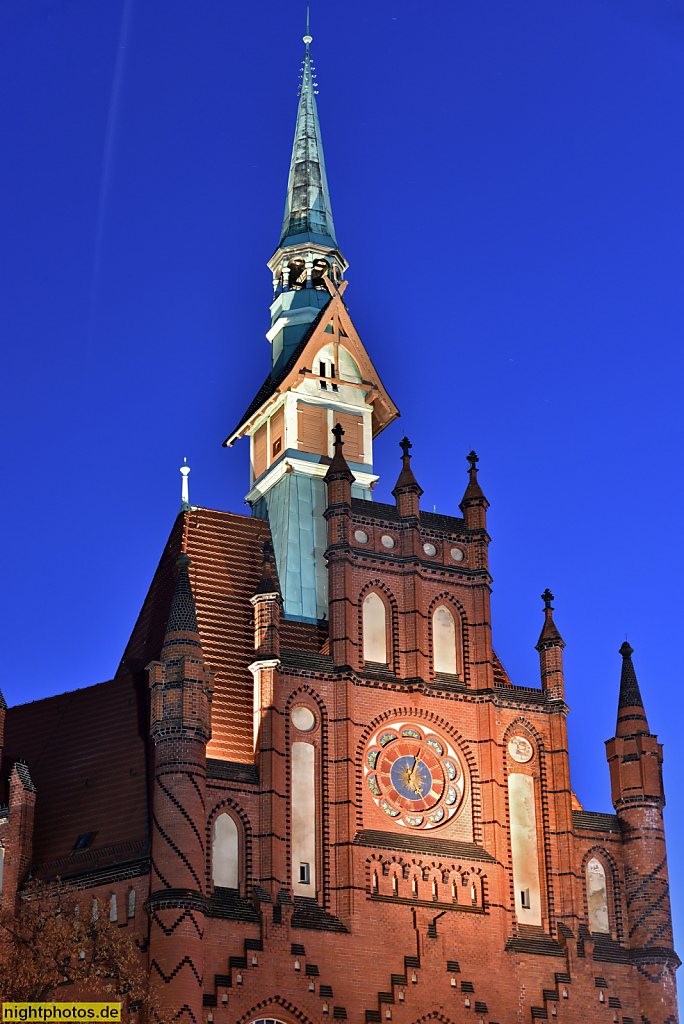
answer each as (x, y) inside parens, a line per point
(350, 816)
(407, 924)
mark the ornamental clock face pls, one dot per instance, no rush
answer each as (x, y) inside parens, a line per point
(414, 775)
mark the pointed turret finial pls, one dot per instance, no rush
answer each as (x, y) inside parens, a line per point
(631, 716)
(473, 493)
(268, 584)
(549, 636)
(185, 499)
(338, 468)
(183, 615)
(407, 490)
(630, 695)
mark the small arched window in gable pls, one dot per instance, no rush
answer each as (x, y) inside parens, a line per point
(444, 641)
(225, 852)
(597, 896)
(374, 629)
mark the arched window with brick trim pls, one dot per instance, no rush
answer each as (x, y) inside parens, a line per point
(374, 628)
(225, 852)
(597, 896)
(444, 641)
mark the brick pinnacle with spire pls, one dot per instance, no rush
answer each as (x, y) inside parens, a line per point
(474, 505)
(180, 727)
(180, 683)
(550, 647)
(267, 604)
(407, 490)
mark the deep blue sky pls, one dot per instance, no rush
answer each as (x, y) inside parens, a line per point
(507, 185)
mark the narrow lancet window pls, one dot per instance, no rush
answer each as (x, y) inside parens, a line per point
(304, 819)
(374, 629)
(597, 896)
(524, 853)
(225, 852)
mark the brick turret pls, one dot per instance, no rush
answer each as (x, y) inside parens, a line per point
(339, 480)
(19, 842)
(270, 860)
(635, 758)
(550, 646)
(180, 726)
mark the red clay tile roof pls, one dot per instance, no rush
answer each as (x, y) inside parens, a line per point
(86, 753)
(226, 555)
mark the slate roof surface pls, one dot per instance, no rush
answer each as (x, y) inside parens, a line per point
(226, 563)
(85, 751)
(595, 821)
(389, 513)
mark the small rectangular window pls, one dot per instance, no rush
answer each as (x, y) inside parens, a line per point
(321, 370)
(332, 370)
(84, 841)
(304, 873)
(525, 899)
(277, 445)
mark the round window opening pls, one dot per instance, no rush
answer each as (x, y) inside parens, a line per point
(361, 536)
(303, 719)
(457, 554)
(429, 549)
(387, 541)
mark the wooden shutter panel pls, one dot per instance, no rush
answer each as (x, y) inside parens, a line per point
(312, 431)
(277, 430)
(259, 452)
(353, 435)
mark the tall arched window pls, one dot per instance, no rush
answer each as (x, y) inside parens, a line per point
(597, 896)
(303, 819)
(224, 849)
(374, 629)
(444, 641)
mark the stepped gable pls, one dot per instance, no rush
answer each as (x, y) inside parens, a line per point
(89, 777)
(226, 552)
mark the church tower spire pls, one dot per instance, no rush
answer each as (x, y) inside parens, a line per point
(320, 377)
(307, 253)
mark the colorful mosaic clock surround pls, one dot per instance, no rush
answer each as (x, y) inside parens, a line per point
(414, 775)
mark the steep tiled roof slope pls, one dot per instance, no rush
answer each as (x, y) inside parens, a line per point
(86, 753)
(226, 559)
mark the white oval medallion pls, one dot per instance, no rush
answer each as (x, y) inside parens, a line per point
(520, 749)
(430, 549)
(457, 554)
(361, 536)
(303, 719)
(387, 541)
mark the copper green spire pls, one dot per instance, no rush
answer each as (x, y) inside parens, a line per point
(308, 214)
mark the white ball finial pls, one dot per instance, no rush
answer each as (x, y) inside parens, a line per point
(307, 39)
